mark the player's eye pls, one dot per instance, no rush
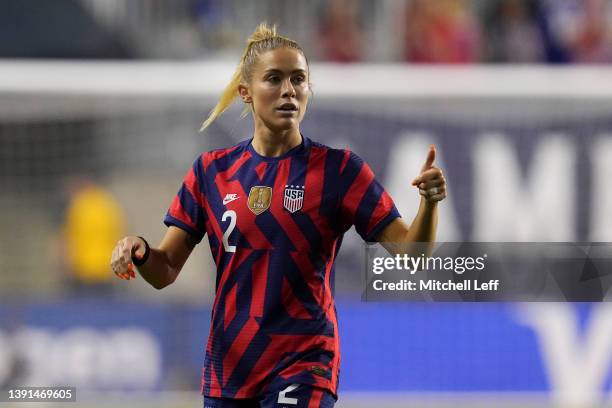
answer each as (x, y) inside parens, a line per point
(299, 79)
(273, 78)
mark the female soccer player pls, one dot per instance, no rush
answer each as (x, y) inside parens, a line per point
(275, 208)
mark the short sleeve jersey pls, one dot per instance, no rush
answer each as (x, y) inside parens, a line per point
(275, 226)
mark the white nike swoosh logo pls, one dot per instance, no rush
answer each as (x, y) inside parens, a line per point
(229, 199)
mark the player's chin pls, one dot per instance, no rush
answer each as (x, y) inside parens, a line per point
(286, 123)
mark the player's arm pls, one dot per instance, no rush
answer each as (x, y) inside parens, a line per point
(163, 264)
(432, 188)
(422, 229)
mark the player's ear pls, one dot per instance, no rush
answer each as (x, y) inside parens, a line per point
(245, 93)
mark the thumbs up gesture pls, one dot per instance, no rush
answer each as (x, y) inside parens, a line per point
(431, 182)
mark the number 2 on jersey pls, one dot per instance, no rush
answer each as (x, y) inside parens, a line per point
(231, 214)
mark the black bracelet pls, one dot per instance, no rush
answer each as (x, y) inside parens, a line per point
(140, 262)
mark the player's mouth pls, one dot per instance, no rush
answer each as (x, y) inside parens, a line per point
(288, 108)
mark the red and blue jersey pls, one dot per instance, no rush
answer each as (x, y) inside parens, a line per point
(275, 225)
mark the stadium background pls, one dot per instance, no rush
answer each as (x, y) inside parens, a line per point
(100, 103)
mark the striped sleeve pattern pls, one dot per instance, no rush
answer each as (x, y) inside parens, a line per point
(363, 200)
(187, 209)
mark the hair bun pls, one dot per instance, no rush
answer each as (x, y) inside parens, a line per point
(262, 32)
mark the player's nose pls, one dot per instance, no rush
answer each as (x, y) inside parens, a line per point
(287, 90)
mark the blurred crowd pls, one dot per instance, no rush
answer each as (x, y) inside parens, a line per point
(463, 31)
(346, 31)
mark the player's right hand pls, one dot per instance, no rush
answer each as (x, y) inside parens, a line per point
(121, 258)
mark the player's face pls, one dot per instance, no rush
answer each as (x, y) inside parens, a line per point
(279, 89)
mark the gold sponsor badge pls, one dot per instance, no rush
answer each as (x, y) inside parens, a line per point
(259, 199)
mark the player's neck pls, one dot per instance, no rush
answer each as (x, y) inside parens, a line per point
(269, 144)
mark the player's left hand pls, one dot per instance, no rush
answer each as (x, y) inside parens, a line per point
(431, 182)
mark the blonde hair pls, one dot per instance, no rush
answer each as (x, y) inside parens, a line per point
(263, 39)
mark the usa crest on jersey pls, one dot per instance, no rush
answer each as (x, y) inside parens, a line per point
(294, 198)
